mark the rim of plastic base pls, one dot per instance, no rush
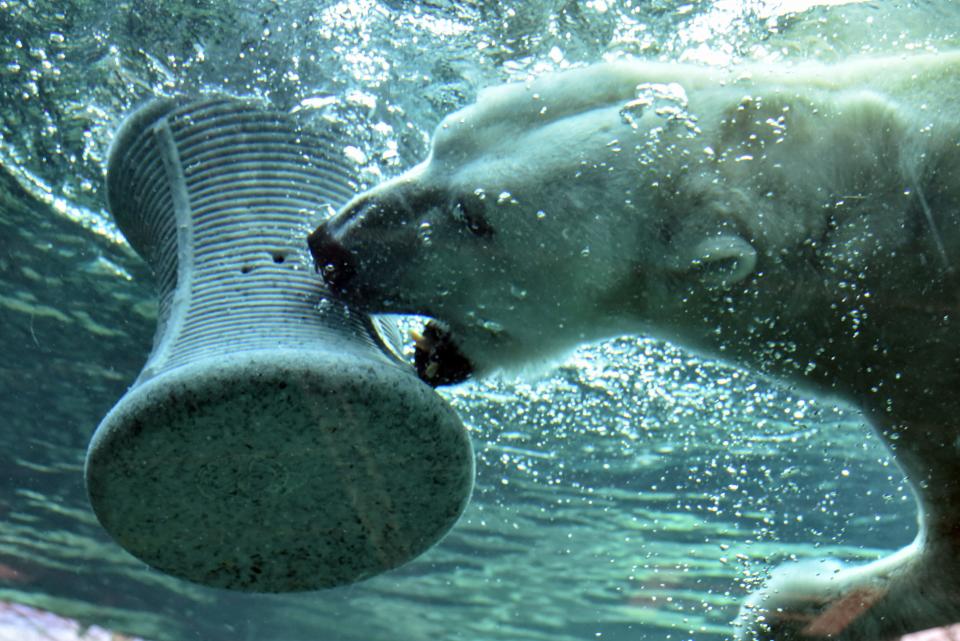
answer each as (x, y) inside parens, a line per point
(280, 471)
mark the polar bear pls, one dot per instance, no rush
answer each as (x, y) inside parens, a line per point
(801, 221)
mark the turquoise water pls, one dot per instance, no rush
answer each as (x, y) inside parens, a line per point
(633, 492)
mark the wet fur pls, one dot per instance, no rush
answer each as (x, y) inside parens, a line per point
(802, 222)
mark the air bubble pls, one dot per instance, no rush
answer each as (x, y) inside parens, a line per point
(355, 154)
(425, 233)
(492, 326)
(667, 100)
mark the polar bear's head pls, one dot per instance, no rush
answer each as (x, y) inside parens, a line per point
(531, 227)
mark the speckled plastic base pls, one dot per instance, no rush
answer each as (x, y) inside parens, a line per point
(270, 443)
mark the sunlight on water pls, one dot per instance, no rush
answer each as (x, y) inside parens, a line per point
(98, 222)
(780, 7)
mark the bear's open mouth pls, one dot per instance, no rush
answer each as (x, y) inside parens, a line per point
(437, 358)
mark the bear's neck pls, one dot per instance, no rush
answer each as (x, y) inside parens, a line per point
(856, 294)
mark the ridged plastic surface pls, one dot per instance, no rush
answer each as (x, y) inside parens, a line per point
(241, 184)
(270, 442)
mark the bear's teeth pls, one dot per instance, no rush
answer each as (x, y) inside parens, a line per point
(419, 340)
(431, 371)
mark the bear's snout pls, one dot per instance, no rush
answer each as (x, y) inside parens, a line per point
(333, 261)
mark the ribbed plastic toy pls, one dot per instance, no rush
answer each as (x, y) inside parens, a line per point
(271, 443)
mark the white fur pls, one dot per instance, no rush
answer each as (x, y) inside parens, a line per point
(799, 221)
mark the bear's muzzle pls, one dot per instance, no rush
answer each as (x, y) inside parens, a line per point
(333, 261)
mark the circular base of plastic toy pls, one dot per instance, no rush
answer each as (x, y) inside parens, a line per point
(279, 471)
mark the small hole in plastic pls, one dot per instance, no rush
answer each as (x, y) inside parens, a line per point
(279, 258)
(246, 269)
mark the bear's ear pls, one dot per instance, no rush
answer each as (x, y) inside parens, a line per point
(721, 261)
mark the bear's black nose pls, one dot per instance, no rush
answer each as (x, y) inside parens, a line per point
(332, 260)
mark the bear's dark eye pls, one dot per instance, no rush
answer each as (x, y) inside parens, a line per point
(469, 211)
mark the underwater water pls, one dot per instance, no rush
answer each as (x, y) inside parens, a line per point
(635, 491)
